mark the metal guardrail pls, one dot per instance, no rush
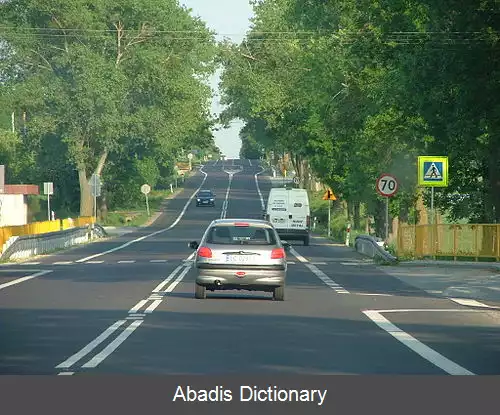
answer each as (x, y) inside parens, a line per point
(369, 246)
(26, 246)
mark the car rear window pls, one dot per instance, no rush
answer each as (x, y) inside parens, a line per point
(244, 235)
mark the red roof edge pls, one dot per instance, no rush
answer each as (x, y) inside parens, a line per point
(21, 189)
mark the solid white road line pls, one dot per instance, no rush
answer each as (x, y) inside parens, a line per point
(110, 348)
(153, 233)
(170, 288)
(411, 342)
(133, 315)
(472, 303)
(91, 346)
(138, 306)
(167, 280)
(258, 187)
(22, 279)
(320, 274)
(226, 199)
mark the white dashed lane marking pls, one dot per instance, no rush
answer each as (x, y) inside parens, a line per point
(320, 274)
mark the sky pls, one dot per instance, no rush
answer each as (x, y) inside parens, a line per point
(228, 18)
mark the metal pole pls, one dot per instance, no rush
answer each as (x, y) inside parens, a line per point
(432, 205)
(329, 216)
(432, 220)
(147, 204)
(386, 218)
(48, 206)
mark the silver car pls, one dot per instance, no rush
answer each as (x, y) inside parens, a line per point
(240, 254)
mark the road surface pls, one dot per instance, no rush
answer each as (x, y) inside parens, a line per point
(126, 306)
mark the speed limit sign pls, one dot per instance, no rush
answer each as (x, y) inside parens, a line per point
(387, 185)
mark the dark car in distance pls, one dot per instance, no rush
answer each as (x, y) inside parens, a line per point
(205, 198)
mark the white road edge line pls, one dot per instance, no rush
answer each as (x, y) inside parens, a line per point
(70, 361)
(258, 187)
(412, 343)
(111, 347)
(22, 279)
(472, 303)
(153, 233)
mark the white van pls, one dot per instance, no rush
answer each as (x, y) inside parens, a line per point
(288, 211)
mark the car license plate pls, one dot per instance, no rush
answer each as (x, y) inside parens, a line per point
(239, 258)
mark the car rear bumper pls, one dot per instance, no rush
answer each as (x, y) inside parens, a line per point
(254, 279)
(293, 233)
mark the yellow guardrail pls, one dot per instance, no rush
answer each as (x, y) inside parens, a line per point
(470, 240)
(37, 228)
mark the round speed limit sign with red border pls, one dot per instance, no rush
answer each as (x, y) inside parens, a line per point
(387, 185)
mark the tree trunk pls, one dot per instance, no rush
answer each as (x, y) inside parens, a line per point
(356, 218)
(103, 206)
(86, 198)
(86, 203)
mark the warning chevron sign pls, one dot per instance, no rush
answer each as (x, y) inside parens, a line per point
(433, 171)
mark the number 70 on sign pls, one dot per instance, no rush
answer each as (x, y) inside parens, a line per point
(387, 185)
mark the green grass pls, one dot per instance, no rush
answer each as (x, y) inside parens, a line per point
(138, 216)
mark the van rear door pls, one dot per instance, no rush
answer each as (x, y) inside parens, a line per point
(277, 208)
(298, 210)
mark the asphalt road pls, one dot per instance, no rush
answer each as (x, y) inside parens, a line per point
(127, 306)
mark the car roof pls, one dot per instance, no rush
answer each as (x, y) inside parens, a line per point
(232, 221)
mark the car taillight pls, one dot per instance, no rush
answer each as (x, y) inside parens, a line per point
(278, 253)
(205, 252)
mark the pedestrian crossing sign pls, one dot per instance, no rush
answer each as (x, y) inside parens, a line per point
(433, 171)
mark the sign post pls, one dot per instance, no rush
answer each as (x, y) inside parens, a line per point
(95, 187)
(190, 157)
(387, 186)
(329, 196)
(432, 172)
(48, 189)
(145, 189)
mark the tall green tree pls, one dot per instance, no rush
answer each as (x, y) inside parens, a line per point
(107, 79)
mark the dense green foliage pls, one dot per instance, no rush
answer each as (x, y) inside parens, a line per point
(352, 89)
(118, 89)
